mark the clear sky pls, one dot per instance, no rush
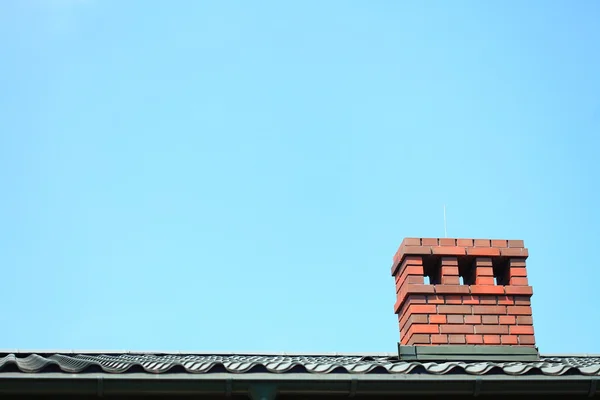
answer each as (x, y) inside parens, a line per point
(236, 176)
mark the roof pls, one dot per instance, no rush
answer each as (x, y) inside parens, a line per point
(228, 372)
(377, 363)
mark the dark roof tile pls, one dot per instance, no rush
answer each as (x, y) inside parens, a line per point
(281, 364)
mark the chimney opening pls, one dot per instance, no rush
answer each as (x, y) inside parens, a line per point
(466, 270)
(432, 270)
(500, 266)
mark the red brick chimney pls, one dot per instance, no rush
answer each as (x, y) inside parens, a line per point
(477, 294)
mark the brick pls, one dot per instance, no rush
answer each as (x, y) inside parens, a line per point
(449, 262)
(483, 262)
(447, 242)
(416, 299)
(435, 299)
(398, 278)
(490, 310)
(453, 299)
(437, 319)
(398, 288)
(486, 289)
(455, 309)
(401, 295)
(402, 319)
(464, 242)
(397, 307)
(507, 339)
(499, 243)
(516, 243)
(474, 339)
(418, 309)
(406, 299)
(429, 241)
(422, 309)
(416, 339)
(410, 290)
(415, 279)
(450, 280)
(448, 251)
(490, 329)
(522, 300)
(455, 319)
(412, 261)
(524, 320)
(520, 330)
(519, 290)
(408, 319)
(451, 289)
(402, 260)
(395, 265)
(517, 271)
(517, 263)
(424, 328)
(481, 243)
(416, 250)
(483, 251)
(420, 288)
(489, 319)
(519, 310)
(454, 329)
(411, 242)
(411, 300)
(456, 339)
(491, 339)
(483, 269)
(514, 252)
(470, 299)
(526, 339)
(415, 270)
(488, 300)
(404, 332)
(519, 281)
(439, 339)
(486, 280)
(506, 300)
(507, 320)
(472, 319)
(449, 270)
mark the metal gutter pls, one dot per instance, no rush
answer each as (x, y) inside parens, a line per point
(306, 384)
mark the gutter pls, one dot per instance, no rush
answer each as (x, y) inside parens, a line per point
(267, 385)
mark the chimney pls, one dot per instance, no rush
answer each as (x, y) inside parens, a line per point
(477, 294)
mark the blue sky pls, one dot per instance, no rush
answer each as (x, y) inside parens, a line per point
(238, 175)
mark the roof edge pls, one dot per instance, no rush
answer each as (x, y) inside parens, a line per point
(245, 353)
(201, 353)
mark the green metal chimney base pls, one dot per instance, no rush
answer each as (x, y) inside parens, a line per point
(468, 353)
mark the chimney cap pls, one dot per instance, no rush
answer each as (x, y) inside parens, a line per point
(454, 247)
